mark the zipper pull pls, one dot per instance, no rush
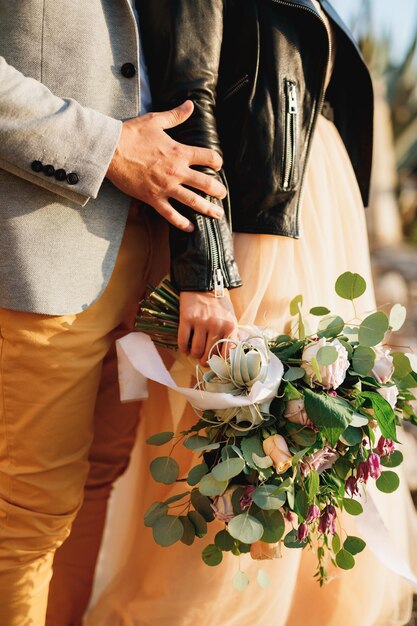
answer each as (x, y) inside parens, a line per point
(218, 283)
(292, 99)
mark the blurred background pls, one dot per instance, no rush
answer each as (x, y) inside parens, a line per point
(387, 32)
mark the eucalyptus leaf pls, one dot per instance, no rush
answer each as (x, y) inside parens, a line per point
(397, 316)
(224, 541)
(202, 504)
(363, 360)
(294, 373)
(330, 326)
(245, 528)
(249, 446)
(351, 506)
(240, 581)
(264, 498)
(354, 545)
(160, 438)
(189, 531)
(262, 461)
(177, 497)
(350, 286)
(296, 304)
(273, 524)
(197, 473)
(319, 311)
(212, 555)
(154, 512)
(167, 530)
(329, 416)
(388, 482)
(336, 543)
(345, 560)
(227, 469)
(373, 329)
(291, 540)
(263, 579)
(351, 436)
(196, 441)
(327, 355)
(164, 470)
(209, 486)
(199, 523)
(393, 460)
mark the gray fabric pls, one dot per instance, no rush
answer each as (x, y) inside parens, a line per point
(62, 97)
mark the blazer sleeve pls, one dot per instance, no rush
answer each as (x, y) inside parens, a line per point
(39, 129)
(182, 42)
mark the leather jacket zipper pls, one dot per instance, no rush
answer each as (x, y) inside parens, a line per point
(290, 136)
(235, 87)
(218, 280)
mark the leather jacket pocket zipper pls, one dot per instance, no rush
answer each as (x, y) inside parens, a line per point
(290, 134)
(218, 280)
(233, 89)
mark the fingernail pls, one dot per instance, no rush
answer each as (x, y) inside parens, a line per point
(189, 228)
(218, 213)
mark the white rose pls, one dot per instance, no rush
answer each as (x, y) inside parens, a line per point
(390, 394)
(384, 365)
(332, 376)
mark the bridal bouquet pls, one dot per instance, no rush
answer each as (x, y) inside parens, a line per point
(310, 420)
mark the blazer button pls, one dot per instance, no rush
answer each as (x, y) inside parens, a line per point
(72, 178)
(48, 170)
(128, 70)
(60, 175)
(37, 166)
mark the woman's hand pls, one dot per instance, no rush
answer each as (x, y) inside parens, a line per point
(204, 319)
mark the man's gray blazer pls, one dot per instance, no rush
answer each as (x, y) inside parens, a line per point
(62, 96)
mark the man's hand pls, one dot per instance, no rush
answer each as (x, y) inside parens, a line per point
(204, 320)
(152, 167)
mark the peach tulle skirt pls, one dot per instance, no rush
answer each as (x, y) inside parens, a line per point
(141, 584)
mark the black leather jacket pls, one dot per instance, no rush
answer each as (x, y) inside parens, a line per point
(255, 70)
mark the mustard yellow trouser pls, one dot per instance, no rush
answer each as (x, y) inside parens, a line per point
(51, 371)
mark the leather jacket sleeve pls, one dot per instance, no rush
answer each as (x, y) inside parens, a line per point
(182, 42)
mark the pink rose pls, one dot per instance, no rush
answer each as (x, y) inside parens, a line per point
(332, 376)
(295, 412)
(276, 448)
(222, 505)
(260, 550)
(390, 394)
(321, 460)
(383, 367)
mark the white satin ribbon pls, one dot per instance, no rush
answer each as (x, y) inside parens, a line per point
(139, 360)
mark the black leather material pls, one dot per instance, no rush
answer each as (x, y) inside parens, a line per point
(235, 60)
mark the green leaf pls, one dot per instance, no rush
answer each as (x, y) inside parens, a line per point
(354, 545)
(249, 446)
(413, 360)
(154, 512)
(345, 560)
(327, 355)
(245, 528)
(302, 436)
(164, 470)
(197, 473)
(350, 286)
(397, 316)
(263, 462)
(189, 531)
(294, 373)
(330, 326)
(336, 544)
(199, 443)
(291, 540)
(240, 581)
(212, 555)
(199, 523)
(224, 541)
(393, 460)
(264, 498)
(351, 506)
(301, 504)
(296, 304)
(273, 525)
(263, 579)
(291, 392)
(351, 436)
(167, 530)
(384, 414)
(313, 485)
(179, 496)
(160, 438)
(209, 486)
(342, 468)
(319, 311)
(363, 360)
(202, 504)
(402, 365)
(327, 414)
(228, 469)
(388, 482)
(373, 329)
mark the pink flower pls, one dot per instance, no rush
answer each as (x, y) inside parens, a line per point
(383, 367)
(390, 394)
(374, 465)
(385, 447)
(332, 376)
(222, 505)
(246, 498)
(362, 472)
(321, 460)
(313, 513)
(302, 532)
(327, 521)
(290, 517)
(351, 486)
(295, 412)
